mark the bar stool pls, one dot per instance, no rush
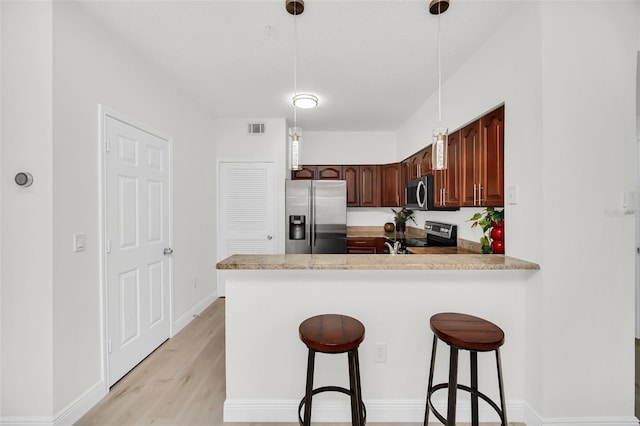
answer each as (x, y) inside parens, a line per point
(461, 331)
(333, 334)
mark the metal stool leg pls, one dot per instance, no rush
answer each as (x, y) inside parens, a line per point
(503, 405)
(430, 385)
(474, 388)
(361, 408)
(355, 394)
(308, 396)
(453, 387)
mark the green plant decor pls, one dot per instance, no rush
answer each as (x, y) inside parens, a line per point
(485, 220)
(403, 215)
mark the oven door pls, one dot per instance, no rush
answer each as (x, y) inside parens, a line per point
(416, 194)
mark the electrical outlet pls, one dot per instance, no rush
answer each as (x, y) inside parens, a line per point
(380, 352)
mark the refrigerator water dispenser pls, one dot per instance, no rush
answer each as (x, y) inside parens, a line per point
(297, 227)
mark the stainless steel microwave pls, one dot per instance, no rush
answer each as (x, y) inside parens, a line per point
(416, 194)
(419, 195)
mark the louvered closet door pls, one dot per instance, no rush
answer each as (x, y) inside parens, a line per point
(247, 209)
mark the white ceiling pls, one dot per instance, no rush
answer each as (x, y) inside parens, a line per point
(372, 63)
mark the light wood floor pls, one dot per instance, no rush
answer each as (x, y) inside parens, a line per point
(181, 383)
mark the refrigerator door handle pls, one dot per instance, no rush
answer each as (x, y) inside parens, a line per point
(310, 216)
(313, 217)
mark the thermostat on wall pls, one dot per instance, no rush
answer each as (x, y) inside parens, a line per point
(24, 179)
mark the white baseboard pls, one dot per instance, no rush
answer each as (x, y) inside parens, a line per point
(26, 421)
(532, 418)
(185, 319)
(68, 415)
(78, 408)
(378, 411)
(399, 411)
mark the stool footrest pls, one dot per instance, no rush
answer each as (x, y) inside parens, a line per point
(465, 388)
(329, 389)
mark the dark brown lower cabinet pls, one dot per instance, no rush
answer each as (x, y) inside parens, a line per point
(365, 245)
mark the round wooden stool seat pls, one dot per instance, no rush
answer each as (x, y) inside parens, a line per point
(466, 331)
(331, 333)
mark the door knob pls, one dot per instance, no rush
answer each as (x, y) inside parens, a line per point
(167, 251)
(269, 237)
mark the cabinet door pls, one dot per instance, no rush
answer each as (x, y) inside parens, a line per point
(361, 245)
(470, 164)
(492, 191)
(452, 173)
(305, 173)
(369, 186)
(329, 172)
(391, 180)
(352, 175)
(416, 166)
(439, 179)
(365, 245)
(425, 160)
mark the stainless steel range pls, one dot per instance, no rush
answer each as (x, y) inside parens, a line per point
(438, 235)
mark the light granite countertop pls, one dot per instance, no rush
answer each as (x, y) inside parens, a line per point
(375, 262)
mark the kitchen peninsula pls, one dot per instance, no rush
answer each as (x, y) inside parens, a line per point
(268, 296)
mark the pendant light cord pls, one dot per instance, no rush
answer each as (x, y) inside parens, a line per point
(439, 73)
(295, 64)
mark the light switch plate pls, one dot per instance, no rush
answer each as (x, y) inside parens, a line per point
(512, 194)
(79, 242)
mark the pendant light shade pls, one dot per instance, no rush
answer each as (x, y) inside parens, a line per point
(439, 149)
(295, 136)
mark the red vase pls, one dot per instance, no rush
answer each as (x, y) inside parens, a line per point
(497, 247)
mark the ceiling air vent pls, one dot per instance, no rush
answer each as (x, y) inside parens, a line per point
(256, 128)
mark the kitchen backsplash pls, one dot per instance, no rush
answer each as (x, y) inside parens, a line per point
(360, 216)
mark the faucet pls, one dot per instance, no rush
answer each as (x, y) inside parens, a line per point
(393, 249)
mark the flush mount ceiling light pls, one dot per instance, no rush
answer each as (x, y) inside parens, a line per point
(305, 100)
(439, 147)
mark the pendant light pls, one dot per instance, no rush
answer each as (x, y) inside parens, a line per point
(439, 150)
(300, 100)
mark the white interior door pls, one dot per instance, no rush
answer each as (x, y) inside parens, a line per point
(138, 232)
(247, 220)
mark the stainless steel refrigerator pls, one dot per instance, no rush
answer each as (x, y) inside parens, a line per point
(316, 214)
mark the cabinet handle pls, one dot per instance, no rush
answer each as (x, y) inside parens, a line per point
(479, 194)
(474, 194)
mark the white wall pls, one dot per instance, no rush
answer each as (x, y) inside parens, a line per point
(26, 378)
(581, 90)
(348, 148)
(234, 143)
